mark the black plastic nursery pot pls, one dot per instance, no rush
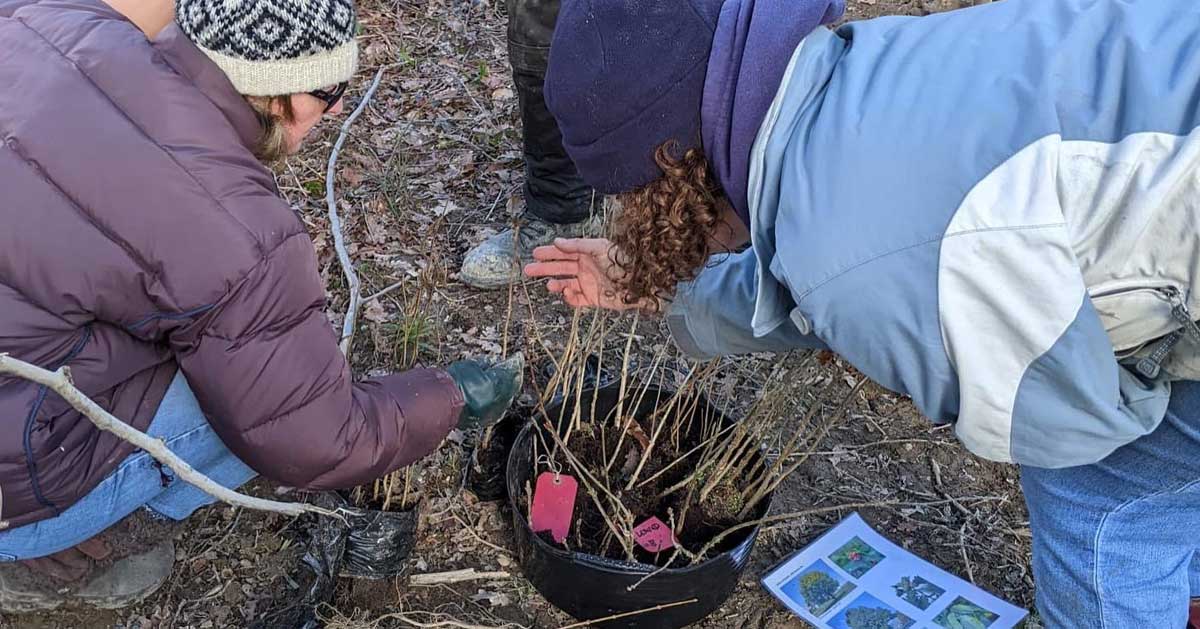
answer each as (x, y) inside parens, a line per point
(485, 468)
(590, 587)
(487, 461)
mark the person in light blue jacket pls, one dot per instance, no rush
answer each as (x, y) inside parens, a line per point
(995, 211)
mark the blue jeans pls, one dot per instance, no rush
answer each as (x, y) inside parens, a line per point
(138, 482)
(1115, 544)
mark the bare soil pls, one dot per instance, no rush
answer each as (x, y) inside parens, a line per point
(434, 167)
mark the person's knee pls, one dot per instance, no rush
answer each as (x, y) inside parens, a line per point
(1144, 555)
(1099, 564)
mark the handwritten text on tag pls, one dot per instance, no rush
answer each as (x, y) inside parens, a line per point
(653, 535)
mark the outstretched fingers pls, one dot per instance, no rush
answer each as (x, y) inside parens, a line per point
(550, 253)
(585, 246)
(552, 268)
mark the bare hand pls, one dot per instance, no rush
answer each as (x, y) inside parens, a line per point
(581, 270)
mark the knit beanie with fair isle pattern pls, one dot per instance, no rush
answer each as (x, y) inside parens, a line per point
(274, 47)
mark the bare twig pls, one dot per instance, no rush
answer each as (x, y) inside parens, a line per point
(937, 479)
(807, 512)
(410, 619)
(843, 448)
(776, 476)
(656, 608)
(439, 623)
(384, 291)
(455, 576)
(591, 484)
(623, 420)
(407, 487)
(683, 457)
(60, 382)
(470, 528)
(670, 560)
(712, 543)
(624, 381)
(335, 221)
(666, 418)
(962, 545)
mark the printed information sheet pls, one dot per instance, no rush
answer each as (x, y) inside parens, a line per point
(854, 578)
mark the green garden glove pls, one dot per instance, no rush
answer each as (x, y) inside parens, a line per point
(487, 390)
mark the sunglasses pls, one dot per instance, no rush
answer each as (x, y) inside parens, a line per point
(331, 97)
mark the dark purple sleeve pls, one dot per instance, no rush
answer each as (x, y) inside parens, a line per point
(9, 7)
(265, 366)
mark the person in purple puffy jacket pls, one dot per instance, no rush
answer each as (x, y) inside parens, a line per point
(147, 248)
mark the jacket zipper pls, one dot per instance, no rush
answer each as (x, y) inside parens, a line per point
(1180, 311)
(1150, 366)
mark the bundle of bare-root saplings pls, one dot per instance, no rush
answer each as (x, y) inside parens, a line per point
(637, 504)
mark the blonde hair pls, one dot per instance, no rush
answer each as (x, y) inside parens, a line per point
(272, 146)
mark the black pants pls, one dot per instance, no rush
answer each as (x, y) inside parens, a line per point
(554, 191)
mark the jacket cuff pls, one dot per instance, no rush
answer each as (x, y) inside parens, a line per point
(677, 323)
(454, 394)
(431, 405)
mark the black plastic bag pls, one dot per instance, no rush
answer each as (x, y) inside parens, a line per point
(377, 543)
(326, 544)
(368, 544)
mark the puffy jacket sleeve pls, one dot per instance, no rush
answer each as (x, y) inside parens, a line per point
(711, 316)
(265, 365)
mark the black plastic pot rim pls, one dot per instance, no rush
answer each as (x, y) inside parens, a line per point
(614, 566)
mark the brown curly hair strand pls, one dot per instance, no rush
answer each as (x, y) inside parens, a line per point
(663, 229)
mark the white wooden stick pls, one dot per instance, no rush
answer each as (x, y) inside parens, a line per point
(454, 576)
(60, 382)
(335, 221)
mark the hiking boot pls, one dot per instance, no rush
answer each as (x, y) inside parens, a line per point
(22, 590)
(130, 580)
(112, 586)
(497, 261)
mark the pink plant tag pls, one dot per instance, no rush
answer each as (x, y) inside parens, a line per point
(553, 504)
(653, 535)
